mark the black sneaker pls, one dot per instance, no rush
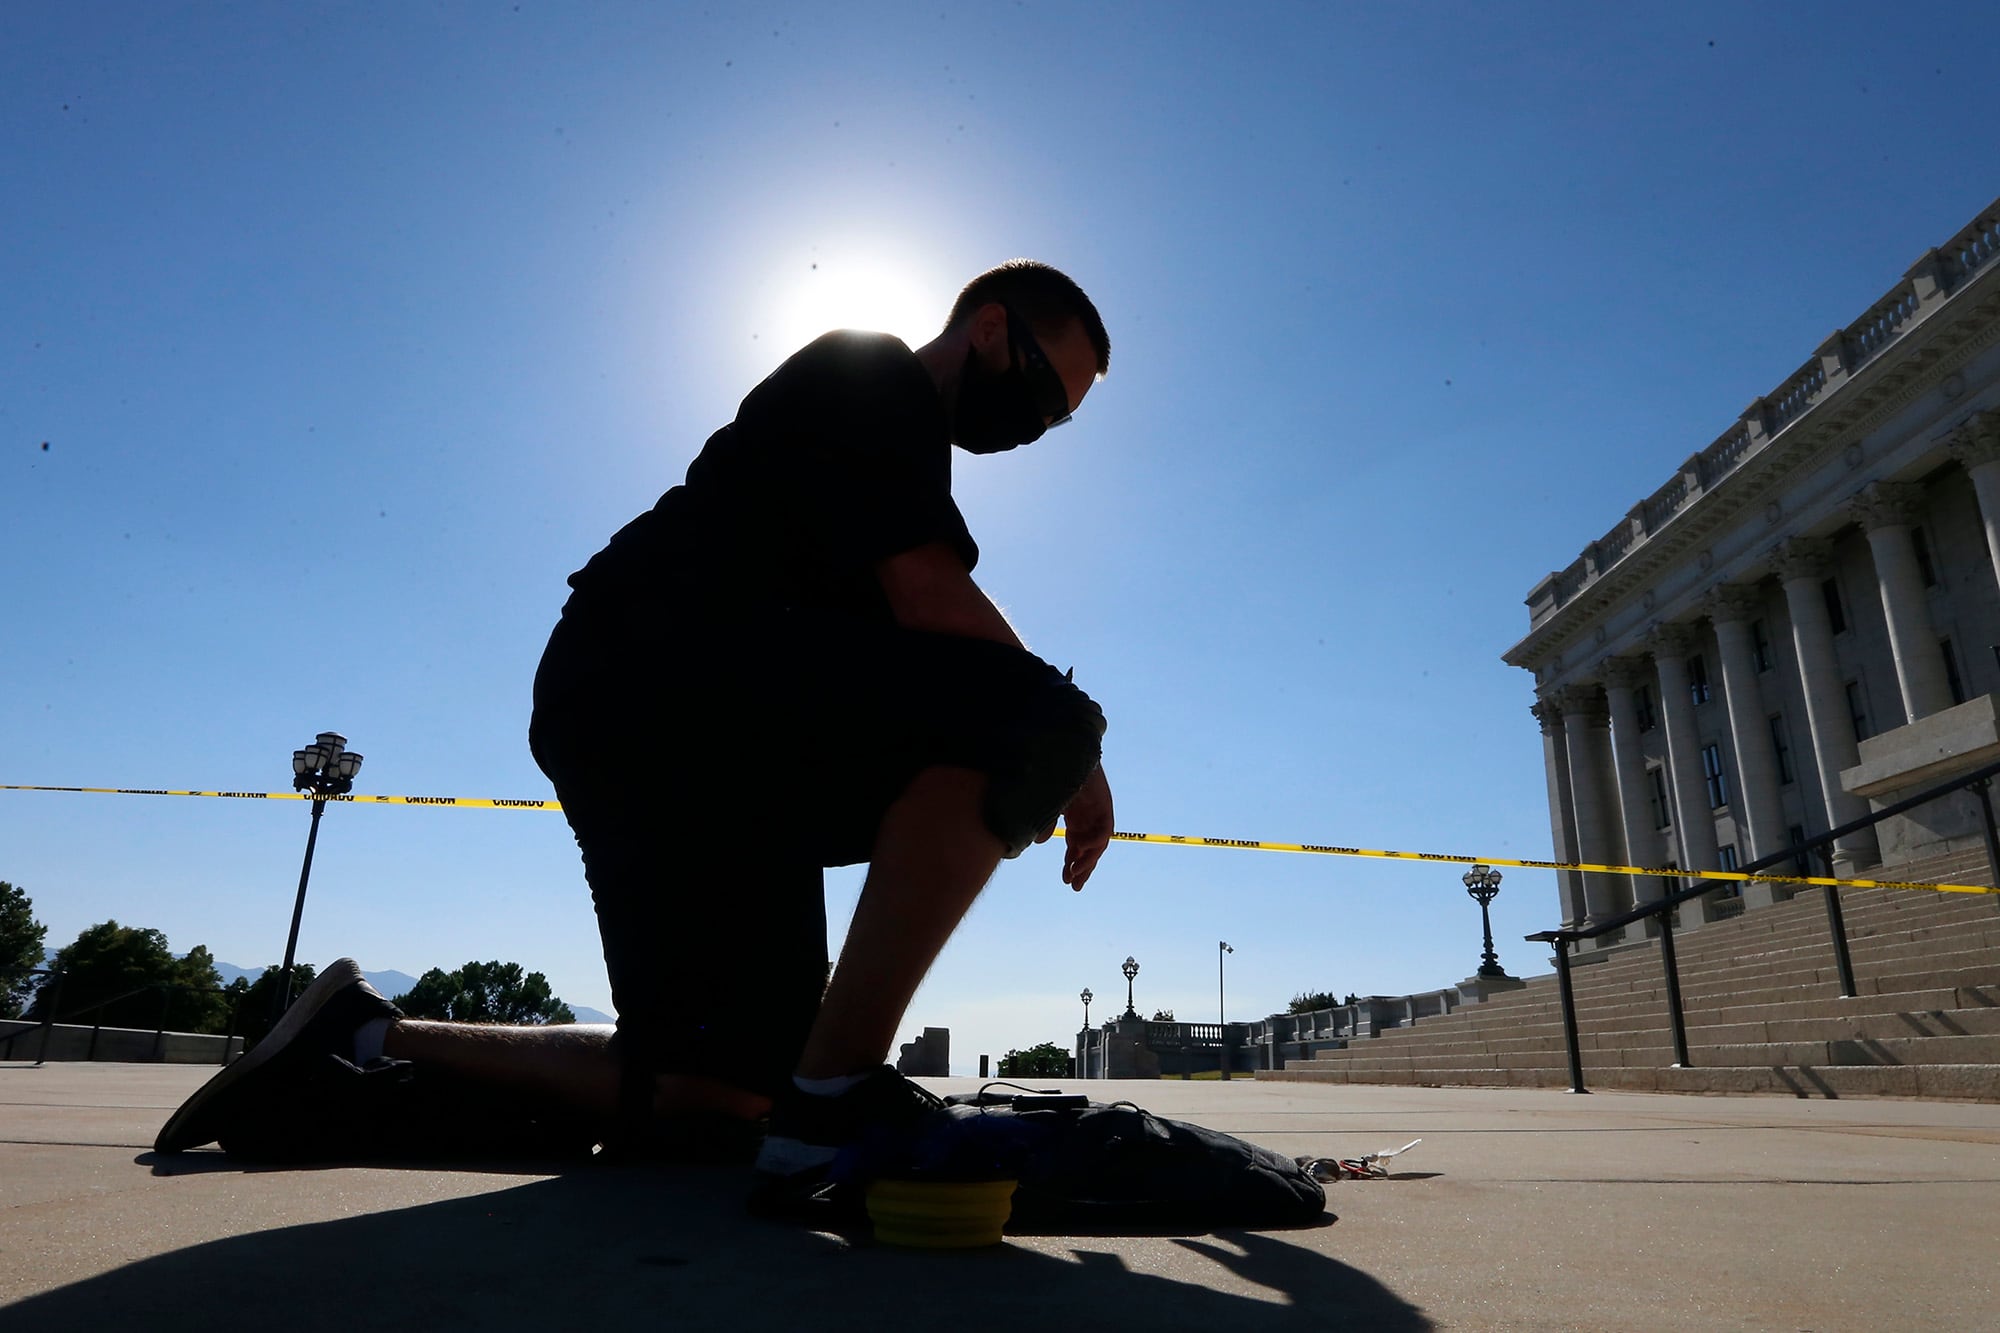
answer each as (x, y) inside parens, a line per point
(275, 1076)
(795, 1167)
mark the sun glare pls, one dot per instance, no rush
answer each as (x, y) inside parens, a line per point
(859, 292)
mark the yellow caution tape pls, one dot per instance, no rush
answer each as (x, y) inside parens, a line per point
(474, 802)
(1175, 839)
(1668, 872)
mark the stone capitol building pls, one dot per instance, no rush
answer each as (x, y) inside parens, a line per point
(1801, 625)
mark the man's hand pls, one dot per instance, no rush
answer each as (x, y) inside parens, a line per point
(1087, 828)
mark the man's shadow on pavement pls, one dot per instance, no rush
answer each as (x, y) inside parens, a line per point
(635, 1246)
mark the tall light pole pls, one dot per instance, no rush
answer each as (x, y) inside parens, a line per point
(1221, 1008)
(1483, 883)
(325, 768)
(1086, 997)
(1130, 968)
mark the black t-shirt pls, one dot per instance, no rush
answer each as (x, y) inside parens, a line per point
(840, 459)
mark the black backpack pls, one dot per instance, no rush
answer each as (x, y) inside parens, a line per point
(1087, 1166)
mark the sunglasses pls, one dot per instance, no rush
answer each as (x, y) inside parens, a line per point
(1051, 398)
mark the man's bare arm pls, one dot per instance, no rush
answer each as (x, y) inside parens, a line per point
(929, 588)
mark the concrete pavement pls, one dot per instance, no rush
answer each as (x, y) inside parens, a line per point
(1522, 1209)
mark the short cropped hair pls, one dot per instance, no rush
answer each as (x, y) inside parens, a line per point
(1043, 296)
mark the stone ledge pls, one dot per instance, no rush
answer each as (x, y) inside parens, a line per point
(1928, 751)
(77, 1042)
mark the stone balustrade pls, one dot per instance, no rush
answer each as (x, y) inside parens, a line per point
(1124, 1048)
(1664, 503)
(1719, 459)
(1867, 336)
(1790, 400)
(1974, 247)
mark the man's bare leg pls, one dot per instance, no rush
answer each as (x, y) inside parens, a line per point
(932, 856)
(570, 1067)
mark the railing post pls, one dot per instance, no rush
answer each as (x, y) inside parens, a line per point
(1837, 923)
(160, 1028)
(49, 1017)
(1671, 965)
(229, 1034)
(1983, 788)
(1569, 1014)
(96, 1026)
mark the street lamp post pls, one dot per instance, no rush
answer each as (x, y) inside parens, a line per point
(1086, 997)
(1221, 1008)
(1483, 883)
(1131, 969)
(325, 768)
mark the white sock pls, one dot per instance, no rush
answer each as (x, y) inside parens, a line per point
(827, 1087)
(368, 1039)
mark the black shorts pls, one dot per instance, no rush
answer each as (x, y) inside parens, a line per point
(711, 766)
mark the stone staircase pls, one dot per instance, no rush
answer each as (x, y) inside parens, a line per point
(1762, 1002)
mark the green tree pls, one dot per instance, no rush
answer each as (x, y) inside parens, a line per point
(1307, 1001)
(116, 964)
(201, 1006)
(21, 947)
(493, 992)
(251, 1000)
(1047, 1060)
(1164, 1016)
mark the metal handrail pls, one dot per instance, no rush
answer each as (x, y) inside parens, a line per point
(166, 989)
(1979, 781)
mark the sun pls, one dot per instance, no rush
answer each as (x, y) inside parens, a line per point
(861, 291)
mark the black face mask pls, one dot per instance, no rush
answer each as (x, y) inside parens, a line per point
(995, 410)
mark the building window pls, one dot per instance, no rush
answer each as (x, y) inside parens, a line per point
(1642, 702)
(1836, 618)
(1923, 549)
(1857, 710)
(1781, 745)
(1951, 676)
(1662, 808)
(1760, 645)
(1711, 769)
(1801, 861)
(1725, 859)
(1697, 669)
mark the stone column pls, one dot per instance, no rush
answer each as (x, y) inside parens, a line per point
(1977, 447)
(1643, 844)
(1760, 812)
(1694, 823)
(1569, 885)
(1887, 511)
(1803, 564)
(1586, 740)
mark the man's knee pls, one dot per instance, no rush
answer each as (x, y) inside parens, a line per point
(1055, 740)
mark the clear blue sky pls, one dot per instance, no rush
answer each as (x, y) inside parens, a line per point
(352, 330)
